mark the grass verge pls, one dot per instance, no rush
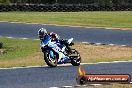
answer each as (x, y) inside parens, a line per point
(92, 19)
(19, 52)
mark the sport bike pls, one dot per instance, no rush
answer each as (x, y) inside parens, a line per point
(52, 52)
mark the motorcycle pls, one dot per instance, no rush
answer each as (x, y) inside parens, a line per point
(51, 57)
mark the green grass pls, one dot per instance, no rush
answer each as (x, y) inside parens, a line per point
(119, 19)
(19, 52)
(18, 48)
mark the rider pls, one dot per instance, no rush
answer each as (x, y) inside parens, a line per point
(42, 33)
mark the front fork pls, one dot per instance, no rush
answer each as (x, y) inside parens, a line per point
(51, 53)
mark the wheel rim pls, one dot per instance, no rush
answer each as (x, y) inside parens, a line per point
(51, 60)
(77, 59)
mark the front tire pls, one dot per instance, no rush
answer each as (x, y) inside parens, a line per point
(76, 60)
(52, 62)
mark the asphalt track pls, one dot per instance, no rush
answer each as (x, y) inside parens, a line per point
(45, 77)
(93, 35)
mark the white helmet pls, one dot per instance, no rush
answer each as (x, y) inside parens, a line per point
(42, 32)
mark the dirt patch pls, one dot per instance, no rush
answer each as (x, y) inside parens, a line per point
(34, 59)
(99, 53)
(89, 54)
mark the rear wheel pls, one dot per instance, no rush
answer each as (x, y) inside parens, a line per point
(50, 61)
(76, 59)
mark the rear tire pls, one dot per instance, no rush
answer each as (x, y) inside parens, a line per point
(50, 61)
(75, 61)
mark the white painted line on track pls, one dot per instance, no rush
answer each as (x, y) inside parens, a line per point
(98, 43)
(104, 44)
(65, 65)
(62, 65)
(66, 87)
(84, 85)
(9, 37)
(81, 42)
(108, 28)
(123, 45)
(36, 39)
(62, 25)
(85, 42)
(21, 38)
(122, 61)
(18, 22)
(111, 44)
(24, 67)
(49, 24)
(94, 84)
(24, 38)
(107, 62)
(77, 86)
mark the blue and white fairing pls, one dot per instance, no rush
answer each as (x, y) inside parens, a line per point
(53, 44)
(45, 42)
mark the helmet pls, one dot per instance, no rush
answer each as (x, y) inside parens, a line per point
(42, 32)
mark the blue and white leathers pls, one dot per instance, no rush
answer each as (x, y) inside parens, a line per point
(53, 44)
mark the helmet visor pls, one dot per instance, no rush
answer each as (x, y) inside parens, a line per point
(41, 35)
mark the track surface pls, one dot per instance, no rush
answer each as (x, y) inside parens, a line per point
(45, 77)
(94, 35)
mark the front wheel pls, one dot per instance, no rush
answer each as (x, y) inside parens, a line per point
(76, 58)
(50, 61)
